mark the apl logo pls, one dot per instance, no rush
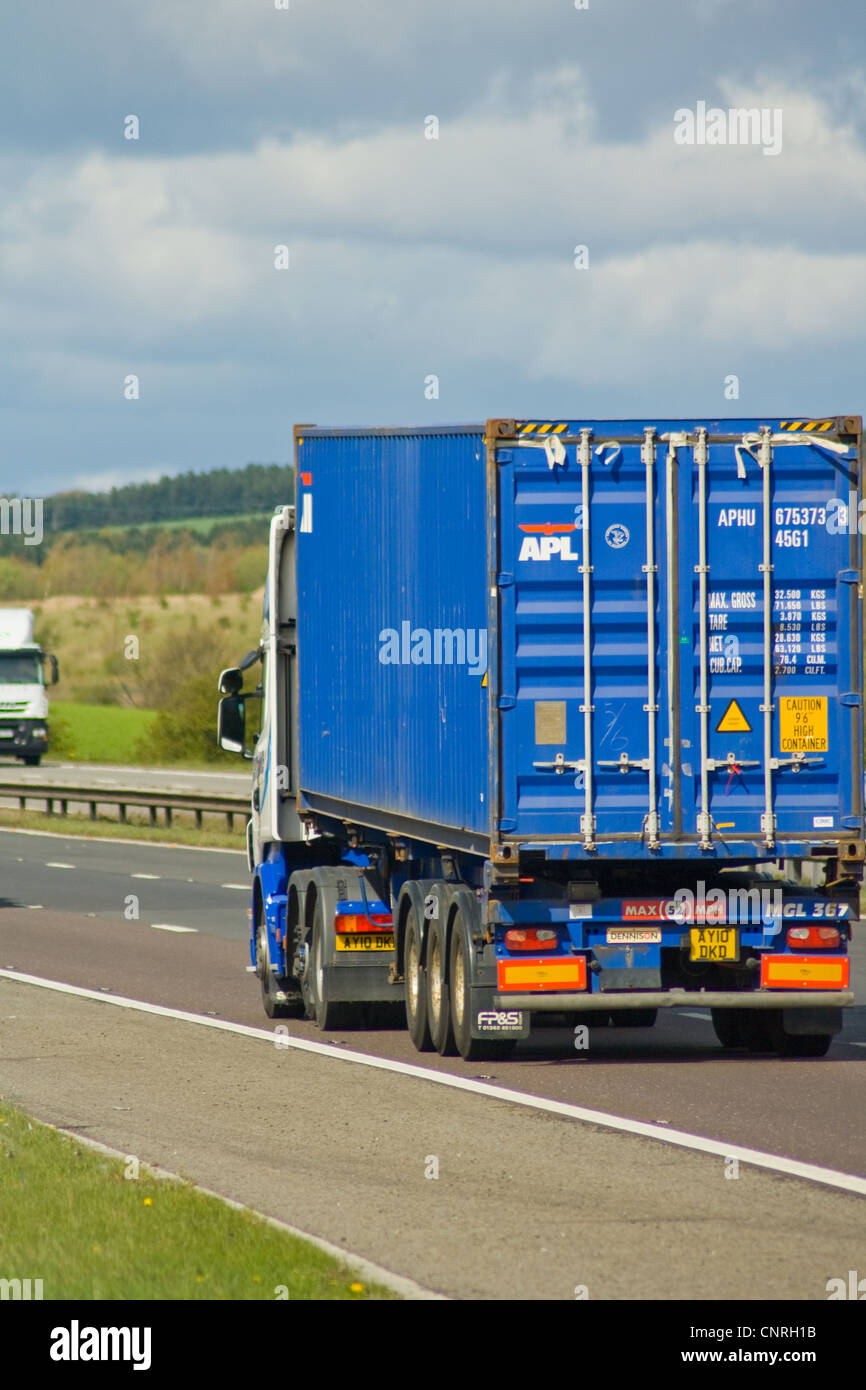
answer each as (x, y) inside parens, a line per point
(547, 539)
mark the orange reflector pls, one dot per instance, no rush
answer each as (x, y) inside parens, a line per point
(531, 939)
(805, 972)
(538, 975)
(347, 922)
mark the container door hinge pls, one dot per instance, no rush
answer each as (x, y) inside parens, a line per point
(705, 829)
(852, 698)
(848, 576)
(504, 579)
(506, 825)
(506, 701)
(852, 822)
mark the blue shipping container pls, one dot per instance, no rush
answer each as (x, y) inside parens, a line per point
(584, 638)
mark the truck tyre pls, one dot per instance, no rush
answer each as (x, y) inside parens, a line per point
(797, 1044)
(804, 1044)
(328, 1015)
(32, 759)
(415, 985)
(633, 1018)
(756, 1030)
(274, 1001)
(459, 975)
(436, 991)
(726, 1024)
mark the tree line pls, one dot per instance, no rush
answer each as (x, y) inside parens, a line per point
(259, 487)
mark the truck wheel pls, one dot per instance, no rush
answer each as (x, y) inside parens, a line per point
(273, 998)
(633, 1018)
(756, 1030)
(436, 991)
(726, 1025)
(804, 1044)
(414, 986)
(32, 759)
(328, 1015)
(470, 1049)
(797, 1044)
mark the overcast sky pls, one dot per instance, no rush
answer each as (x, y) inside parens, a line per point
(408, 256)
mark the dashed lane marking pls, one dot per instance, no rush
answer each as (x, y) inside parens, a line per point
(168, 926)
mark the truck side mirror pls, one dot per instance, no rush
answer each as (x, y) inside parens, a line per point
(231, 725)
(55, 670)
(231, 680)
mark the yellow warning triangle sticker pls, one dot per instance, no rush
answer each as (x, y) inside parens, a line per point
(484, 682)
(733, 721)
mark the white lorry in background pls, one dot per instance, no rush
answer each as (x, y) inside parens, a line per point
(23, 699)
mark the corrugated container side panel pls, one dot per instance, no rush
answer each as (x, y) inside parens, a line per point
(642, 629)
(392, 623)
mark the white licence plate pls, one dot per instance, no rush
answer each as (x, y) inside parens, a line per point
(7, 733)
(639, 936)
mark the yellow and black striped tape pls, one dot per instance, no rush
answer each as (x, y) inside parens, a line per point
(548, 428)
(808, 426)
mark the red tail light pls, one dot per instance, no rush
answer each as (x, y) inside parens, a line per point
(531, 939)
(351, 921)
(814, 936)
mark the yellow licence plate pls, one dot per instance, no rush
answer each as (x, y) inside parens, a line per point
(365, 941)
(714, 943)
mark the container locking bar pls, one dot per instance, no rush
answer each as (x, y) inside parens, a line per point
(702, 569)
(587, 820)
(625, 763)
(768, 819)
(560, 765)
(650, 569)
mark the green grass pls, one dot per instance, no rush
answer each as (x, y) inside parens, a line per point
(199, 525)
(213, 834)
(72, 1219)
(97, 733)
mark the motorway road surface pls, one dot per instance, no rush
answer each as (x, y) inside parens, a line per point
(159, 779)
(527, 1204)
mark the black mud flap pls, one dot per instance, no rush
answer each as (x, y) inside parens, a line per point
(489, 1021)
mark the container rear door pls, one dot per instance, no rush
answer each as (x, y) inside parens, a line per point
(679, 636)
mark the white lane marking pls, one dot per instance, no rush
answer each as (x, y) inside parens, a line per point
(375, 1274)
(854, 1044)
(167, 926)
(244, 887)
(34, 907)
(145, 875)
(830, 1177)
(687, 1013)
(58, 865)
(117, 840)
(235, 778)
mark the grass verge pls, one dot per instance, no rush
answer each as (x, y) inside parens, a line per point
(106, 828)
(75, 1220)
(97, 733)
